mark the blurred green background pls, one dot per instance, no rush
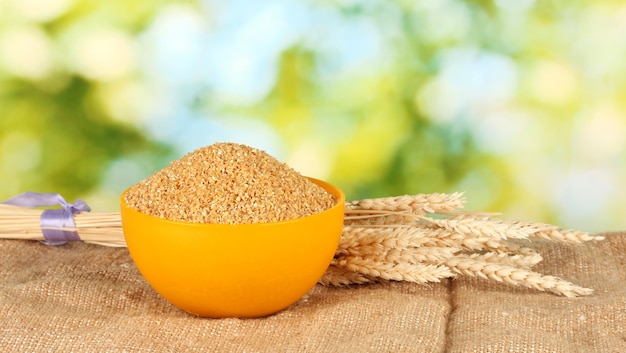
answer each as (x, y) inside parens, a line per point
(519, 103)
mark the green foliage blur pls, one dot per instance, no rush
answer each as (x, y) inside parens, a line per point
(519, 103)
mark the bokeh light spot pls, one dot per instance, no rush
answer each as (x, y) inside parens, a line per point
(40, 10)
(20, 152)
(603, 134)
(27, 52)
(104, 55)
(553, 82)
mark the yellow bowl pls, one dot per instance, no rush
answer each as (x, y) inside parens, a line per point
(244, 270)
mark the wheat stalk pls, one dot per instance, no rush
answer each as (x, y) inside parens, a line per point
(395, 239)
(387, 239)
(97, 228)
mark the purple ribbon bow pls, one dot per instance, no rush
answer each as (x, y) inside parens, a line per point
(55, 218)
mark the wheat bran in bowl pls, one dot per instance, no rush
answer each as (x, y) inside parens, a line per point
(228, 231)
(228, 183)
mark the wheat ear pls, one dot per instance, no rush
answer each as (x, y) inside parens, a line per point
(340, 276)
(418, 204)
(382, 238)
(417, 273)
(567, 236)
(504, 229)
(515, 276)
(507, 259)
(496, 229)
(411, 256)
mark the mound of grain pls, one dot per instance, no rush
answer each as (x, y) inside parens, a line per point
(228, 183)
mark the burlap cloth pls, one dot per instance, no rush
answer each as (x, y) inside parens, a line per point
(88, 298)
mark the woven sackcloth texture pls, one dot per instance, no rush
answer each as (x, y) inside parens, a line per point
(87, 298)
